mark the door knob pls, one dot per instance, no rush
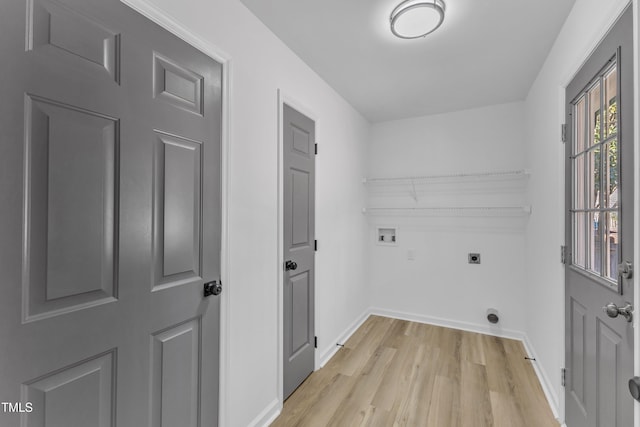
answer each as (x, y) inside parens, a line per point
(634, 387)
(613, 311)
(290, 265)
(625, 269)
(212, 288)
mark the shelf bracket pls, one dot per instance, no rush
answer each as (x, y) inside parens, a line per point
(414, 193)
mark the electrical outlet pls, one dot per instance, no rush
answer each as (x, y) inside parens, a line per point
(474, 258)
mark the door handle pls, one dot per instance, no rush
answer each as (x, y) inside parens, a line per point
(634, 387)
(212, 288)
(625, 269)
(614, 311)
(290, 265)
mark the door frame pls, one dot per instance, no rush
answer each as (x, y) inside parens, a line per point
(285, 98)
(167, 22)
(636, 195)
(576, 65)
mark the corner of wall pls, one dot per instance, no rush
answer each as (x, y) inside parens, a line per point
(545, 383)
(268, 415)
(331, 350)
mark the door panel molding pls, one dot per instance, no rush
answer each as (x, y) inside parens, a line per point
(177, 85)
(52, 26)
(607, 360)
(177, 261)
(175, 370)
(299, 294)
(48, 224)
(90, 383)
(576, 379)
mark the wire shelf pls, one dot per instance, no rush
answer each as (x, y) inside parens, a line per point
(499, 175)
(471, 211)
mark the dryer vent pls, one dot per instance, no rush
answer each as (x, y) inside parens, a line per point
(492, 316)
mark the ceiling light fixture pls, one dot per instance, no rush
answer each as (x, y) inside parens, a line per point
(413, 19)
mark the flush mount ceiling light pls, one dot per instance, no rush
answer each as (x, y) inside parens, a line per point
(413, 19)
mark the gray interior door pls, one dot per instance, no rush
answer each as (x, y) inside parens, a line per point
(109, 221)
(299, 247)
(599, 224)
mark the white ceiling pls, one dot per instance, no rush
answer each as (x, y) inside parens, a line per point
(486, 51)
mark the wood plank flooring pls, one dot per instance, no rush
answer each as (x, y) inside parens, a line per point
(397, 373)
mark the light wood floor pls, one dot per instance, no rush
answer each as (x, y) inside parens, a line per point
(393, 372)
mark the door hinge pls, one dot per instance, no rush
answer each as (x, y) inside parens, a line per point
(316, 148)
(563, 133)
(315, 342)
(563, 376)
(315, 245)
(564, 255)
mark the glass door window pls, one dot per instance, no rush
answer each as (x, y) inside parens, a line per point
(595, 170)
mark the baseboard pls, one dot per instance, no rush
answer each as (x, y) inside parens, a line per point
(344, 336)
(268, 415)
(448, 323)
(543, 378)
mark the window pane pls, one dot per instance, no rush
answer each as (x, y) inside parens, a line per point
(578, 251)
(611, 247)
(593, 178)
(578, 123)
(611, 174)
(594, 243)
(611, 90)
(578, 182)
(594, 114)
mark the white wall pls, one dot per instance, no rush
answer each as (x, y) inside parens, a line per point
(260, 65)
(439, 285)
(585, 26)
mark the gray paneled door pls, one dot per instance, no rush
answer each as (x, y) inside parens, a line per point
(599, 224)
(299, 247)
(109, 219)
